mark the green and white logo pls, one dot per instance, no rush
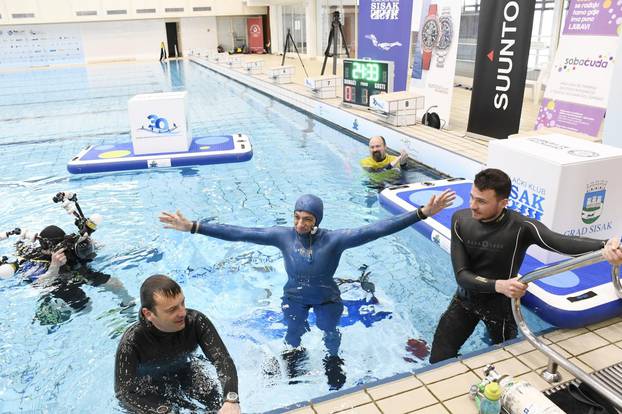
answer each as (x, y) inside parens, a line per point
(593, 201)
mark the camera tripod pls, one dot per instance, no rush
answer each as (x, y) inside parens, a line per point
(290, 40)
(332, 39)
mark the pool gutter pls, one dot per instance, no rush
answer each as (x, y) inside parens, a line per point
(434, 156)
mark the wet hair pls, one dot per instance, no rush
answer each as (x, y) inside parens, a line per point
(381, 138)
(157, 285)
(494, 179)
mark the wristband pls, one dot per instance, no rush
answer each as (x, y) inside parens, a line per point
(420, 214)
(195, 227)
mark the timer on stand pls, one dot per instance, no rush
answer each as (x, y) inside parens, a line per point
(363, 78)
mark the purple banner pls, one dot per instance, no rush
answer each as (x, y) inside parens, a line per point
(571, 116)
(384, 34)
(593, 17)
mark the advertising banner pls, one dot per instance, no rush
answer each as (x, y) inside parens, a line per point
(503, 40)
(40, 45)
(434, 60)
(254, 28)
(577, 91)
(384, 34)
(568, 184)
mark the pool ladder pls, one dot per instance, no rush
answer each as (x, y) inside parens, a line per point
(555, 359)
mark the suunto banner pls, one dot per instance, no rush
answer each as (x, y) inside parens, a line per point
(503, 40)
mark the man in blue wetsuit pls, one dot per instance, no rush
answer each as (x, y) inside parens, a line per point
(311, 258)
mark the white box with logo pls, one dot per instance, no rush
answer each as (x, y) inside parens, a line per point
(569, 184)
(325, 86)
(397, 108)
(159, 123)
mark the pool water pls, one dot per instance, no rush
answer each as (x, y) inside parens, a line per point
(47, 116)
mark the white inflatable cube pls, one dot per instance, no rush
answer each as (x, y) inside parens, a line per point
(569, 184)
(159, 123)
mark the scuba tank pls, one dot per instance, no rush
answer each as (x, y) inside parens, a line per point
(517, 397)
(520, 397)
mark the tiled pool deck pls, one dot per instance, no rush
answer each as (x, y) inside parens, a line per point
(443, 388)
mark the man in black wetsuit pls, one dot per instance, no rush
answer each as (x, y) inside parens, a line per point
(155, 370)
(488, 245)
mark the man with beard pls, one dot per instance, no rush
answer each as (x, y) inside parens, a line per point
(379, 160)
(488, 245)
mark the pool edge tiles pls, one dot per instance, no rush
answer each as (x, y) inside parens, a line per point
(433, 155)
(444, 383)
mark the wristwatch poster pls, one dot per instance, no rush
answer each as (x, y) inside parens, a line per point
(429, 35)
(446, 35)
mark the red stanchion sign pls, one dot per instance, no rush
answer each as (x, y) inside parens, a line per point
(254, 27)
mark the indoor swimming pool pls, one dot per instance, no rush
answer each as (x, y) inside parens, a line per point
(47, 116)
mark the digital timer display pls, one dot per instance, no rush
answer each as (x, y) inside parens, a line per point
(369, 72)
(363, 78)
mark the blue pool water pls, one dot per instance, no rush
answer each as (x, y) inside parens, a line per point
(47, 116)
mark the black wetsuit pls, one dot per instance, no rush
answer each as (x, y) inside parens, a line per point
(67, 285)
(481, 253)
(156, 369)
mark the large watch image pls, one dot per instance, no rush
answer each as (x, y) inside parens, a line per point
(429, 35)
(444, 40)
(232, 397)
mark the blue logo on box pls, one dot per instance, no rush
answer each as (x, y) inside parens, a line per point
(159, 125)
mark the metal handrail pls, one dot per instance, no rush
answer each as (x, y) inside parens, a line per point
(554, 357)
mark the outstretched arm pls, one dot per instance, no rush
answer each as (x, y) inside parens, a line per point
(573, 246)
(270, 236)
(348, 238)
(556, 242)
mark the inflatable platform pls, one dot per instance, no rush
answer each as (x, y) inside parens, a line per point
(567, 300)
(203, 150)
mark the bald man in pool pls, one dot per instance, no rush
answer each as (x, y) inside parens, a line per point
(311, 257)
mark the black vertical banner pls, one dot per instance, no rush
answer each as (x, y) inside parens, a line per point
(503, 40)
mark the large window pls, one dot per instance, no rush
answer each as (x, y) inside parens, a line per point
(347, 17)
(294, 21)
(542, 29)
(231, 32)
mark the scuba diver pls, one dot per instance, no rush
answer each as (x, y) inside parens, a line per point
(58, 262)
(311, 257)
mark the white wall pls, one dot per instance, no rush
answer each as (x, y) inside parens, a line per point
(65, 11)
(136, 40)
(198, 33)
(38, 45)
(140, 39)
